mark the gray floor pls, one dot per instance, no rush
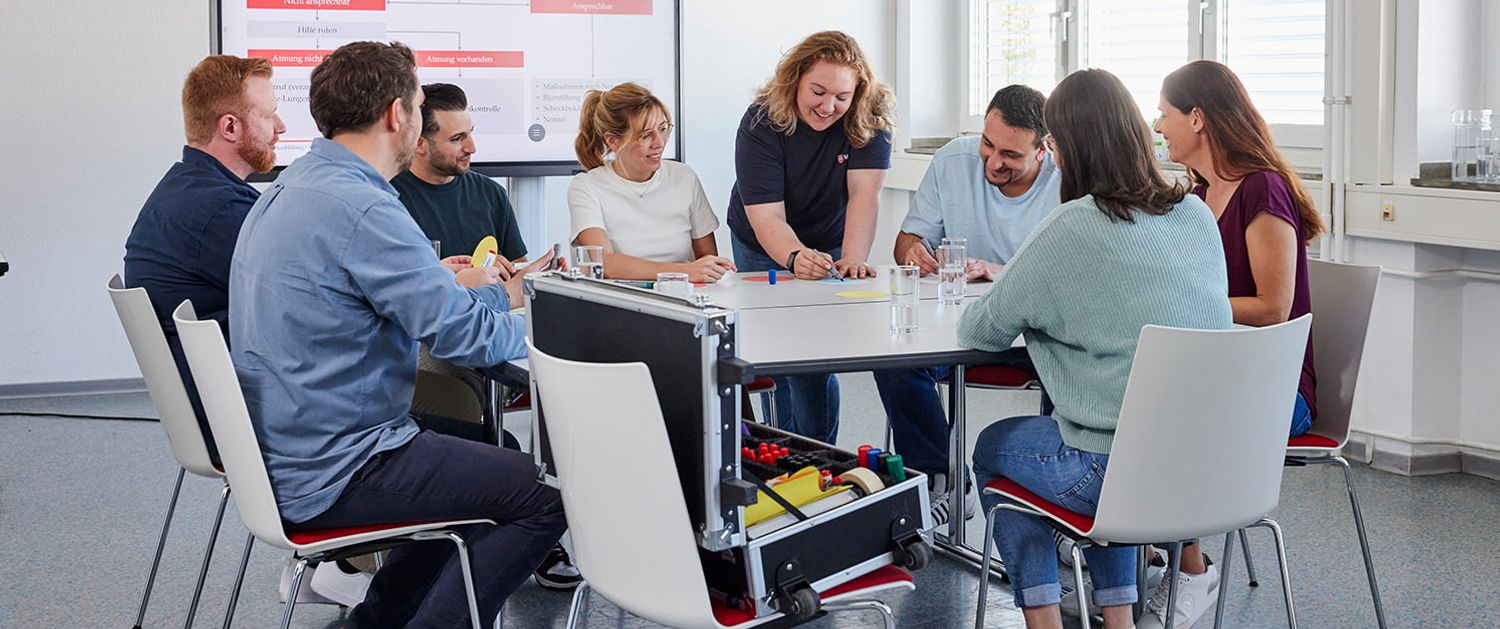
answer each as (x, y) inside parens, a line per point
(81, 502)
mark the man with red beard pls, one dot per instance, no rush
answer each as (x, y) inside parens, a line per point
(184, 236)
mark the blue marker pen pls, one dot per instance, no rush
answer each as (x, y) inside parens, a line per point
(771, 276)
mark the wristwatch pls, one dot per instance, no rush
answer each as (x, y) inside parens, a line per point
(791, 261)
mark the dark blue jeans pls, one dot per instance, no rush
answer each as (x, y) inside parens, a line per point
(916, 413)
(806, 405)
(439, 477)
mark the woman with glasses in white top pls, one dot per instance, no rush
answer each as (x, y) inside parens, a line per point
(649, 214)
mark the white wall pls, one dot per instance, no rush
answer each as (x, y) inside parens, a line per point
(728, 50)
(101, 123)
(91, 121)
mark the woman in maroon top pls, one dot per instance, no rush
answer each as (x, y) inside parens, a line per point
(1266, 219)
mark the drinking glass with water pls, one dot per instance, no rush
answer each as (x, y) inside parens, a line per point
(590, 261)
(903, 285)
(674, 284)
(953, 263)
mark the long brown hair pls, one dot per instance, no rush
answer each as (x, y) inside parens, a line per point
(873, 107)
(1104, 147)
(612, 112)
(1238, 138)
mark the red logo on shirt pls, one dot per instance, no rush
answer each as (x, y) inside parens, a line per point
(843, 157)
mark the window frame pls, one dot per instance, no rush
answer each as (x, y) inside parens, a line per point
(1206, 20)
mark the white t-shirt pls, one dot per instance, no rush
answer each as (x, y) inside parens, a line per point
(656, 220)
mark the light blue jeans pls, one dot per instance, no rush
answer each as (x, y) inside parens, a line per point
(806, 405)
(1030, 451)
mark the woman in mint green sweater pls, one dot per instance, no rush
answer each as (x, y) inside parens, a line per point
(1125, 249)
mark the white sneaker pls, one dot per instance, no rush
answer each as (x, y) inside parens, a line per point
(1154, 572)
(1070, 600)
(1065, 550)
(305, 594)
(938, 494)
(338, 586)
(1195, 594)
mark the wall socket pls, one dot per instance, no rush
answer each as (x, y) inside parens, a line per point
(1388, 211)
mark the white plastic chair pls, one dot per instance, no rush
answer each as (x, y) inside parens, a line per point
(208, 357)
(646, 563)
(1342, 298)
(1199, 398)
(179, 421)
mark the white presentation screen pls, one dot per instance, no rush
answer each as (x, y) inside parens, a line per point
(525, 65)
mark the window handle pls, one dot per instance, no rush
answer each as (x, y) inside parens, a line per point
(1203, 11)
(1060, 21)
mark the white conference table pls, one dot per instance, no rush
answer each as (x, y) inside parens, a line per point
(804, 327)
(743, 291)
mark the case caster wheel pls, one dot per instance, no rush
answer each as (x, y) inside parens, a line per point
(802, 604)
(914, 555)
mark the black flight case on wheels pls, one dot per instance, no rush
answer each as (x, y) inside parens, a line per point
(845, 520)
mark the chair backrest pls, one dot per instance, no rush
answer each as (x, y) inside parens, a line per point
(208, 356)
(632, 540)
(1202, 434)
(1342, 298)
(163, 381)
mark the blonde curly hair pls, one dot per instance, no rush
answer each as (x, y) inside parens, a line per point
(872, 109)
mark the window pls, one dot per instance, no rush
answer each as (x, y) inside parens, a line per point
(1275, 46)
(1015, 42)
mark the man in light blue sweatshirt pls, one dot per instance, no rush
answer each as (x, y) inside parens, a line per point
(331, 286)
(991, 190)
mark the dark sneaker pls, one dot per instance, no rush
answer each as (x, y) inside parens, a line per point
(557, 571)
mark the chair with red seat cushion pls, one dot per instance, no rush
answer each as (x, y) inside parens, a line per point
(179, 421)
(766, 389)
(1342, 298)
(1178, 378)
(646, 563)
(208, 357)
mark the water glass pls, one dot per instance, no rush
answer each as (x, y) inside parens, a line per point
(953, 262)
(590, 261)
(674, 284)
(1469, 125)
(903, 288)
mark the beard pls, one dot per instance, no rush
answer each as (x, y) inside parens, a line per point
(260, 155)
(445, 167)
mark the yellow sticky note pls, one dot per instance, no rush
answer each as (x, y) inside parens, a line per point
(862, 294)
(485, 247)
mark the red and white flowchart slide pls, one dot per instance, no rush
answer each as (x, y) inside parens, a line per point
(524, 64)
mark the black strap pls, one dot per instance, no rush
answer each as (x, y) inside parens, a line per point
(785, 504)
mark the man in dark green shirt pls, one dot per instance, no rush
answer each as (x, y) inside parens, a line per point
(458, 208)
(452, 204)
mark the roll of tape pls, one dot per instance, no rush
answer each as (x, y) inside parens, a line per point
(864, 479)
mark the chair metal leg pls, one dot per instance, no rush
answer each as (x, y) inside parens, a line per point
(291, 596)
(1176, 566)
(463, 564)
(208, 554)
(984, 565)
(1359, 527)
(768, 407)
(1249, 562)
(1224, 578)
(161, 544)
(580, 602)
(234, 595)
(886, 616)
(1142, 564)
(1286, 573)
(1083, 604)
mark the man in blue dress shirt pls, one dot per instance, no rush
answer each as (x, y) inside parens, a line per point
(332, 286)
(184, 236)
(992, 190)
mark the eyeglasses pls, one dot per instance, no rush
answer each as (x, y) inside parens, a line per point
(648, 136)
